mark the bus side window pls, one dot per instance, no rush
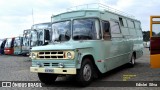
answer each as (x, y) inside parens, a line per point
(115, 27)
(106, 30)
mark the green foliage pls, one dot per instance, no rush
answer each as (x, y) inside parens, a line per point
(146, 35)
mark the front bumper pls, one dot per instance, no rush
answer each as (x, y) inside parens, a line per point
(54, 70)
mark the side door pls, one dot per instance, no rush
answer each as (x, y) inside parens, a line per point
(118, 55)
(106, 49)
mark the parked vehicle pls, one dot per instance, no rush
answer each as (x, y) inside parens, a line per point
(2, 44)
(9, 46)
(146, 44)
(38, 35)
(86, 42)
(26, 42)
(18, 42)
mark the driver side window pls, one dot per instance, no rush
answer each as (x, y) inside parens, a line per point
(106, 30)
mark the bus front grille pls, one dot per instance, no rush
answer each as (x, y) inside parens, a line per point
(51, 55)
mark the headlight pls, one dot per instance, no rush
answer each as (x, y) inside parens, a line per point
(33, 55)
(69, 54)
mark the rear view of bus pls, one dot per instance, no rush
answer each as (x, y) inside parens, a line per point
(9, 46)
(155, 41)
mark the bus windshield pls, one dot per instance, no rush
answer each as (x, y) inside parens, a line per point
(85, 29)
(61, 31)
(26, 39)
(40, 36)
(8, 43)
(33, 38)
(17, 42)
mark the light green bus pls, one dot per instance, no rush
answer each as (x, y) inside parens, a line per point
(86, 42)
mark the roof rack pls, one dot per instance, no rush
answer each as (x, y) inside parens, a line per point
(98, 6)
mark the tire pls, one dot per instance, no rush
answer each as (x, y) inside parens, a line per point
(47, 78)
(85, 73)
(132, 61)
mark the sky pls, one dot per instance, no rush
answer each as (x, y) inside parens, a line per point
(16, 15)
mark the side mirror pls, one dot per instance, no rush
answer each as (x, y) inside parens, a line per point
(46, 37)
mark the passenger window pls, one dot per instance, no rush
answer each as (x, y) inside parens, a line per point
(133, 24)
(121, 21)
(106, 30)
(115, 29)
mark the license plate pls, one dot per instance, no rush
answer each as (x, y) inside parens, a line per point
(49, 70)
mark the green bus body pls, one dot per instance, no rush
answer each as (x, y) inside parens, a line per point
(105, 54)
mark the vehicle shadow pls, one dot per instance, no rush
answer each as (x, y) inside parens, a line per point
(70, 81)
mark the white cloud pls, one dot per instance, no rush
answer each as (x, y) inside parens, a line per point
(16, 15)
(123, 4)
(141, 9)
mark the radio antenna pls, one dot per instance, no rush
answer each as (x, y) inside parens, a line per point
(32, 16)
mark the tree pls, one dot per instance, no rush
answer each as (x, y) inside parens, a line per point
(146, 35)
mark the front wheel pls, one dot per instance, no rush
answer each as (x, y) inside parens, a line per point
(85, 74)
(47, 78)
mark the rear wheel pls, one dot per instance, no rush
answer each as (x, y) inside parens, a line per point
(85, 74)
(132, 61)
(47, 78)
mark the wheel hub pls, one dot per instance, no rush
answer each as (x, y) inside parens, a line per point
(87, 72)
